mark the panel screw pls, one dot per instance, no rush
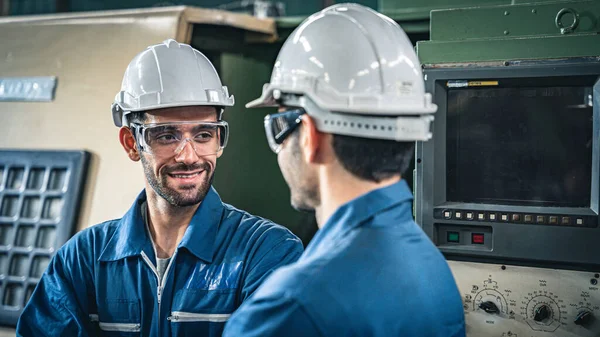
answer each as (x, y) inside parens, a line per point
(534, 11)
(506, 13)
(506, 32)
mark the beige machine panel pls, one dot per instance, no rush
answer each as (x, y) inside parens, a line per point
(512, 301)
(88, 53)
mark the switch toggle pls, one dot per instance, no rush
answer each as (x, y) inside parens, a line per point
(453, 237)
(477, 238)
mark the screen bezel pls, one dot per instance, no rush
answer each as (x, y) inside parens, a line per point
(508, 241)
(441, 98)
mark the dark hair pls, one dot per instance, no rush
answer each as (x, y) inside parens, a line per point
(370, 159)
(373, 159)
(137, 117)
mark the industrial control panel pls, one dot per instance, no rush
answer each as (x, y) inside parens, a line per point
(511, 301)
(508, 189)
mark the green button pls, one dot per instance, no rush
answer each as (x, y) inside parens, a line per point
(453, 237)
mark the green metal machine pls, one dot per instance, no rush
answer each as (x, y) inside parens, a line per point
(540, 30)
(518, 92)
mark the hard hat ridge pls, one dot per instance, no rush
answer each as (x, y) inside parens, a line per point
(169, 74)
(352, 62)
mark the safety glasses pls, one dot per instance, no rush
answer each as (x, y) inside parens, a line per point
(168, 139)
(280, 125)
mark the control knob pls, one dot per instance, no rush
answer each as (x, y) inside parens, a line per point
(584, 317)
(542, 313)
(489, 307)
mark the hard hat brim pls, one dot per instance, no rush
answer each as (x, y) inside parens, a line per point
(265, 100)
(174, 105)
(119, 111)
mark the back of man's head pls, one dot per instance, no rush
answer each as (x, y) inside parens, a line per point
(349, 85)
(372, 159)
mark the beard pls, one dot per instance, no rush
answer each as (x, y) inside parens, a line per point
(303, 190)
(300, 202)
(185, 195)
(302, 181)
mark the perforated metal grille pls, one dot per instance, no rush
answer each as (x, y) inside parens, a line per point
(40, 192)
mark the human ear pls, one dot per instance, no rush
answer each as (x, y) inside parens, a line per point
(129, 144)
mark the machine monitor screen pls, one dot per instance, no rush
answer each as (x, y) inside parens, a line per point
(527, 146)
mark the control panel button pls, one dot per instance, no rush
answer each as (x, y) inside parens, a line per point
(540, 219)
(579, 221)
(504, 217)
(453, 237)
(447, 214)
(492, 216)
(516, 217)
(528, 218)
(553, 220)
(477, 238)
(481, 216)
(469, 215)
(565, 220)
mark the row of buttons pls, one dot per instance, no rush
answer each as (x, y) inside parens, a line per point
(540, 219)
(476, 238)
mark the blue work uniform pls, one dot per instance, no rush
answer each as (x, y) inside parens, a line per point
(370, 271)
(103, 282)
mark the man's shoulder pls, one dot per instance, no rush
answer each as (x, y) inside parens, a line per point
(255, 228)
(293, 281)
(89, 241)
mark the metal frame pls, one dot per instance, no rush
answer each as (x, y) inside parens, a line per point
(568, 245)
(512, 32)
(36, 207)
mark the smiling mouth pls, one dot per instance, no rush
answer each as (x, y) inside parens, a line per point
(185, 175)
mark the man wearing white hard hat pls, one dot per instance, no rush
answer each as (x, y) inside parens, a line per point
(180, 261)
(351, 104)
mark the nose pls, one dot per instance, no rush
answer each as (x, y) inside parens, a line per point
(186, 153)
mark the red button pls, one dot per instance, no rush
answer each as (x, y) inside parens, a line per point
(477, 238)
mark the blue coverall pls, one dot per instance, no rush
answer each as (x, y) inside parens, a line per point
(104, 281)
(370, 271)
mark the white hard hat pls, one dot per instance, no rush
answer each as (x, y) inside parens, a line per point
(348, 66)
(166, 75)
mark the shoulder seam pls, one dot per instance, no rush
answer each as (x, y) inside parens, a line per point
(242, 212)
(276, 245)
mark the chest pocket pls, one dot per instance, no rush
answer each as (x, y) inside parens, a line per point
(209, 296)
(119, 317)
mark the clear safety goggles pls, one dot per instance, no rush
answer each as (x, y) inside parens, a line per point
(168, 139)
(280, 125)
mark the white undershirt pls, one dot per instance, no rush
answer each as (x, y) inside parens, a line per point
(161, 264)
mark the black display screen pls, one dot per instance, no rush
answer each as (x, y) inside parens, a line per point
(529, 146)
